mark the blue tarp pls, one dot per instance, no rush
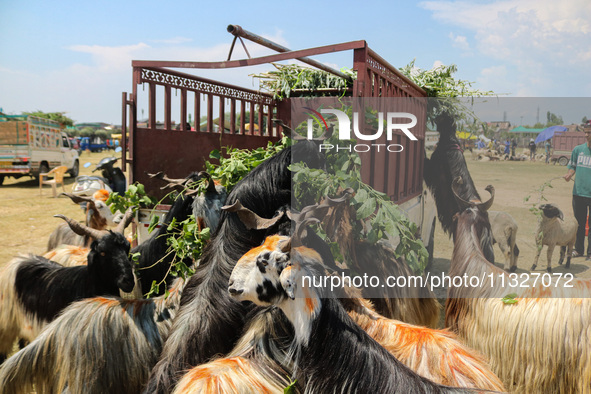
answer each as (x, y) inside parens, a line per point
(549, 132)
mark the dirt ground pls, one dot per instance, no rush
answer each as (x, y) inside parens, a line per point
(26, 217)
(513, 182)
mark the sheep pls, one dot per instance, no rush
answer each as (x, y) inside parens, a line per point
(504, 231)
(33, 290)
(98, 216)
(209, 321)
(330, 352)
(538, 344)
(554, 230)
(446, 164)
(97, 345)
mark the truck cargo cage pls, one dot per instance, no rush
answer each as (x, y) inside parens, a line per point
(178, 149)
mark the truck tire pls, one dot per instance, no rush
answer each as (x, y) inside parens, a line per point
(75, 169)
(1, 179)
(563, 161)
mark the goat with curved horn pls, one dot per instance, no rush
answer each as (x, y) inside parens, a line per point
(484, 206)
(82, 229)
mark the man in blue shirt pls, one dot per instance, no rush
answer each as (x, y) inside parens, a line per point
(580, 164)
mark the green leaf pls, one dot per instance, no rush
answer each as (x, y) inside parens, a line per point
(153, 223)
(291, 389)
(366, 209)
(510, 299)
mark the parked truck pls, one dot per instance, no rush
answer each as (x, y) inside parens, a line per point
(30, 145)
(563, 145)
(93, 144)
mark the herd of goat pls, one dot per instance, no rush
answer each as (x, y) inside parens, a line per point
(245, 322)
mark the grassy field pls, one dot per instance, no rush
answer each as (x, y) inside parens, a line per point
(27, 217)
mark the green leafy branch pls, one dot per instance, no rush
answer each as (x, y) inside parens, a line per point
(135, 196)
(289, 77)
(185, 242)
(236, 163)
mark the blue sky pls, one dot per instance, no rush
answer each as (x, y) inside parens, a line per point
(75, 56)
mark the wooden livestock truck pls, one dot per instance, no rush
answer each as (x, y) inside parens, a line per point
(30, 145)
(157, 145)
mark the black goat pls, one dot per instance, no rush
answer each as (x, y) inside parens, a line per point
(34, 290)
(446, 164)
(209, 322)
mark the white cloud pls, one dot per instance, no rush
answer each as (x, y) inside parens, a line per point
(91, 90)
(540, 38)
(460, 42)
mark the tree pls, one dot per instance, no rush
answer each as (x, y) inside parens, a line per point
(56, 116)
(553, 120)
(86, 132)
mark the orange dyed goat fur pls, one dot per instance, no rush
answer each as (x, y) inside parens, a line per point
(228, 375)
(434, 354)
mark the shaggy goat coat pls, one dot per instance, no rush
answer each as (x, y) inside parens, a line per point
(96, 346)
(539, 344)
(209, 322)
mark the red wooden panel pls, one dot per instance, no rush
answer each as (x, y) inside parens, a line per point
(154, 152)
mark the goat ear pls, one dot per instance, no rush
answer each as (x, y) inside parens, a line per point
(288, 282)
(285, 247)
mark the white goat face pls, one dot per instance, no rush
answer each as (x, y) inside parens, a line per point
(256, 275)
(104, 210)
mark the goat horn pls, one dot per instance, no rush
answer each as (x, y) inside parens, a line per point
(82, 229)
(319, 210)
(251, 220)
(461, 202)
(211, 183)
(77, 199)
(125, 221)
(172, 182)
(485, 206)
(288, 130)
(301, 228)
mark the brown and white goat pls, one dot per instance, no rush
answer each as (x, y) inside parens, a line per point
(555, 230)
(329, 351)
(98, 217)
(540, 344)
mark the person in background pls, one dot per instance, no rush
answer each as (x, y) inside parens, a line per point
(532, 150)
(548, 147)
(513, 146)
(507, 147)
(580, 165)
(480, 144)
